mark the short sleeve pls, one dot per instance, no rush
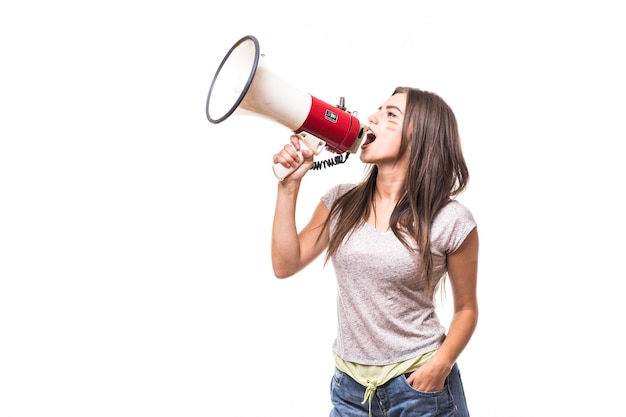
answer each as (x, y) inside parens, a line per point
(334, 193)
(450, 228)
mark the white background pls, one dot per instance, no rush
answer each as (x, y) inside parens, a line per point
(135, 276)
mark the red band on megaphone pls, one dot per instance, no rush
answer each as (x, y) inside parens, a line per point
(337, 127)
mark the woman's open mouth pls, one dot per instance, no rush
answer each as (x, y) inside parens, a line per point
(369, 138)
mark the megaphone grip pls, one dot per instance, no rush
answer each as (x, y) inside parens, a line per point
(314, 144)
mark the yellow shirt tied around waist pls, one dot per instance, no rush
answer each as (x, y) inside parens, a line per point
(372, 376)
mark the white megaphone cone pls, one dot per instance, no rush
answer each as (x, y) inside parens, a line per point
(243, 83)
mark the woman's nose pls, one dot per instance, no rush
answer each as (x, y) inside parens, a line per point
(372, 118)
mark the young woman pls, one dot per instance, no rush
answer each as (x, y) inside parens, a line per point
(392, 239)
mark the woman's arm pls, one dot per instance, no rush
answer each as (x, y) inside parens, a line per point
(462, 273)
(292, 251)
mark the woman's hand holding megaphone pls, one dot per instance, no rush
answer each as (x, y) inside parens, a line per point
(296, 158)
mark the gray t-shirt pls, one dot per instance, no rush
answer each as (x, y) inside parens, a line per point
(383, 315)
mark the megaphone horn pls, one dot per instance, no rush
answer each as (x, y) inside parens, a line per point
(244, 83)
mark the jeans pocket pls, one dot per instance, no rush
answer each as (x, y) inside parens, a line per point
(337, 377)
(439, 402)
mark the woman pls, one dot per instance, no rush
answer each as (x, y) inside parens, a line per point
(392, 239)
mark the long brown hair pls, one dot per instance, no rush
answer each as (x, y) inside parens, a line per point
(436, 172)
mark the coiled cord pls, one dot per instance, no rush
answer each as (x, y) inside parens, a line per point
(338, 159)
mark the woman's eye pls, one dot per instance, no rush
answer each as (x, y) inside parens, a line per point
(391, 114)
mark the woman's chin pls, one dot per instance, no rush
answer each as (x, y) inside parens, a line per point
(363, 155)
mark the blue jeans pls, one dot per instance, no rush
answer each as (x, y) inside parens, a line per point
(397, 398)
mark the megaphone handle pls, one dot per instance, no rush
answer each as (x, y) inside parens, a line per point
(316, 145)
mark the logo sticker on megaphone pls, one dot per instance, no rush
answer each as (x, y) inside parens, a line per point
(243, 83)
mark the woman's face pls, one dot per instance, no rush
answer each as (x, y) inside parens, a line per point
(384, 133)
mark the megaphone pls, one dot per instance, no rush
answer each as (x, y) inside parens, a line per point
(244, 84)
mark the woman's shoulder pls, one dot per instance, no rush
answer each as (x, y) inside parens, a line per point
(455, 209)
(451, 226)
(335, 192)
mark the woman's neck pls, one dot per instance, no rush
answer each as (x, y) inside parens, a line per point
(389, 187)
(387, 193)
